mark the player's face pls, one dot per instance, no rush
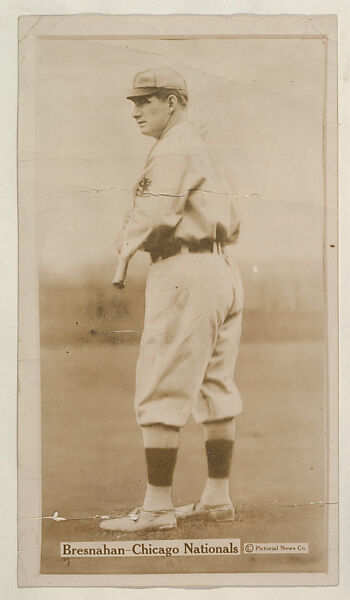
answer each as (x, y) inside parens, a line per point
(151, 114)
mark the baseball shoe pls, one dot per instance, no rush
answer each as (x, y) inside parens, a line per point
(218, 513)
(141, 520)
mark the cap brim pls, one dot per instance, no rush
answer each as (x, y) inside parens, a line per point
(144, 91)
(141, 91)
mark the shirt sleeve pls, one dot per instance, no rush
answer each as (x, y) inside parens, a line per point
(159, 202)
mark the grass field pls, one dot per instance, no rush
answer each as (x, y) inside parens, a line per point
(93, 462)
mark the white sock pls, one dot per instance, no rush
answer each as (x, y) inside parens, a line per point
(159, 436)
(220, 430)
(158, 498)
(216, 492)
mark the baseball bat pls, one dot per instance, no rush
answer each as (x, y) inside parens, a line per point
(120, 273)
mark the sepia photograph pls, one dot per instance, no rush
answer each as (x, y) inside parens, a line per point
(178, 300)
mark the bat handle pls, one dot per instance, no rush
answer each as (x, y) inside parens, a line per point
(120, 274)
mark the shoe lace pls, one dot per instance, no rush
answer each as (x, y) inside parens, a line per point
(134, 514)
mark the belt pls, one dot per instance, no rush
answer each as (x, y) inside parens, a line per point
(181, 247)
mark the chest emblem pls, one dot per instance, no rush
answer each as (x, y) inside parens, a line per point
(143, 186)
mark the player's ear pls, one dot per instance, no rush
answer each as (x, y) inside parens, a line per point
(172, 103)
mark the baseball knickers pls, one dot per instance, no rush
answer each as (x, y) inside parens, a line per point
(190, 341)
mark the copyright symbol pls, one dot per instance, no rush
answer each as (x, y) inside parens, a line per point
(249, 547)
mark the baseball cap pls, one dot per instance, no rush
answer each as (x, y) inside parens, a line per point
(150, 81)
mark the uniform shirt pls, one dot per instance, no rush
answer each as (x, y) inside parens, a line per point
(182, 194)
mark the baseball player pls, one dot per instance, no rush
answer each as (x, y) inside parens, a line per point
(184, 217)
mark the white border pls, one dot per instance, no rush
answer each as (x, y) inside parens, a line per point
(31, 31)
